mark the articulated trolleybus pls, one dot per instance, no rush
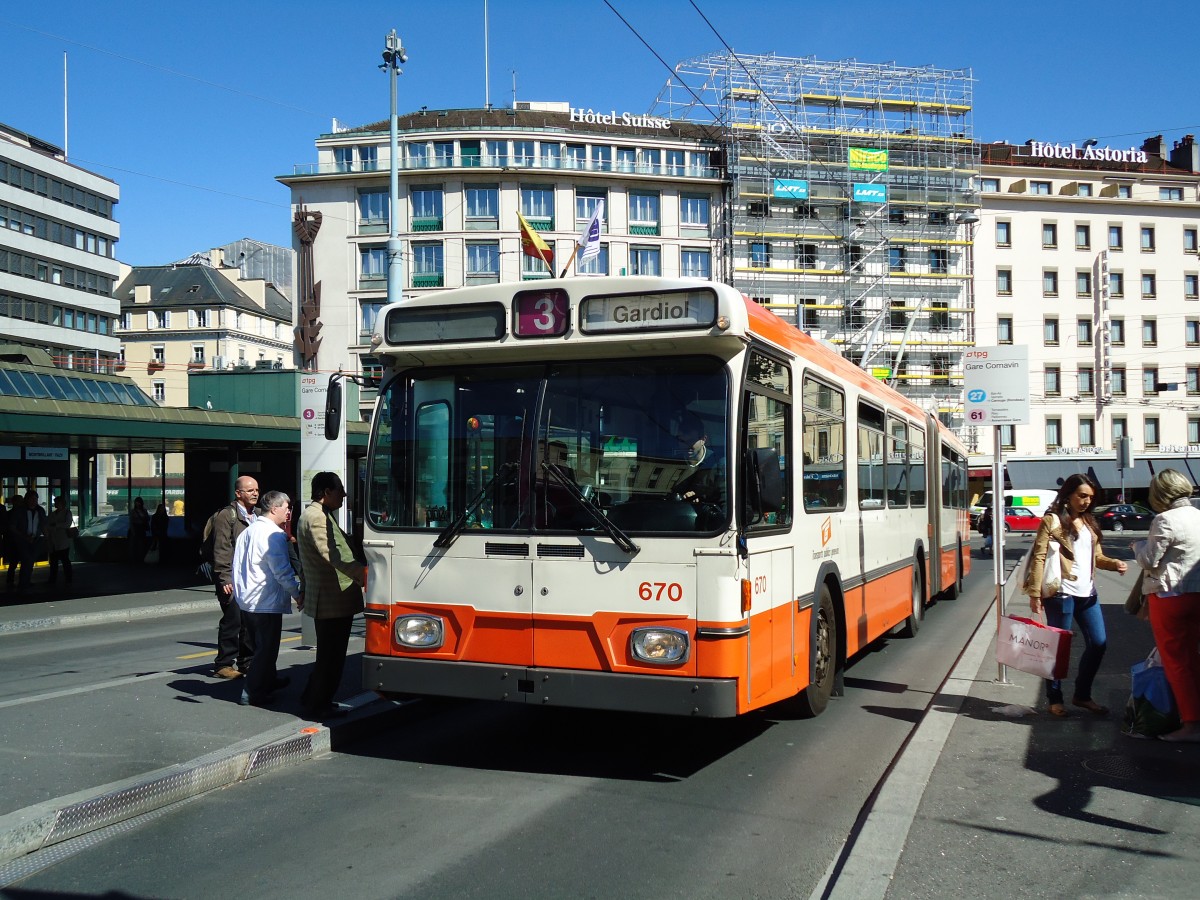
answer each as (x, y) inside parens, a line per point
(641, 494)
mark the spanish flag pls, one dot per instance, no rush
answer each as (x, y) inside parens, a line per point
(533, 245)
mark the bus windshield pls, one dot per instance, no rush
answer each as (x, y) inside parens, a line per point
(645, 442)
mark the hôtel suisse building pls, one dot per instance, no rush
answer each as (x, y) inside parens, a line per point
(465, 174)
(1088, 255)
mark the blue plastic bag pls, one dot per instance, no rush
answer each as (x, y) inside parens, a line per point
(1151, 707)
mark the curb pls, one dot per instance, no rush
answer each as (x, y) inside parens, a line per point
(43, 825)
(76, 620)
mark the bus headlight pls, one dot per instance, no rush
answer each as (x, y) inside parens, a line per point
(419, 631)
(664, 646)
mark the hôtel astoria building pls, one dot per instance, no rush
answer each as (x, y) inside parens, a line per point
(1088, 255)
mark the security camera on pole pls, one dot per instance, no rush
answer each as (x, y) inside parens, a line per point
(393, 57)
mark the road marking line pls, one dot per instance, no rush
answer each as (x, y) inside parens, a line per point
(85, 689)
(198, 655)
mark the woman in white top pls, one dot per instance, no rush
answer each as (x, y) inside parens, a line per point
(1069, 522)
(1170, 556)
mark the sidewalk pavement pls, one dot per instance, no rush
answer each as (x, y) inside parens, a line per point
(82, 759)
(994, 797)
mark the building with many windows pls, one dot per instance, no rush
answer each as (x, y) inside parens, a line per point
(58, 263)
(464, 176)
(1089, 256)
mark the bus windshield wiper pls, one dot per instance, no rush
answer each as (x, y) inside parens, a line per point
(451, 531)
(620, 538)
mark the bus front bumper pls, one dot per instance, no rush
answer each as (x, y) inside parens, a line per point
(662, 694)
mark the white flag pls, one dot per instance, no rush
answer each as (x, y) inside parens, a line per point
(589, 238)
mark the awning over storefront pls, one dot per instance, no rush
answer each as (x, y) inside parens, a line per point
(1049, 473)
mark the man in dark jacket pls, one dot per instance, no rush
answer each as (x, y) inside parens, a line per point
(234, 645)
(26, 531)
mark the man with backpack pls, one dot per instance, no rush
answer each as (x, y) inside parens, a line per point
(234, 644)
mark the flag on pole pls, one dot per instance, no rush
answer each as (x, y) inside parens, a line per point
(533, 245)
(589, 238)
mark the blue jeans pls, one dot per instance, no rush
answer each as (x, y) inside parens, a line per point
(1060, 609)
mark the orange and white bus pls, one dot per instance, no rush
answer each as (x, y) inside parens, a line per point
(641, 494)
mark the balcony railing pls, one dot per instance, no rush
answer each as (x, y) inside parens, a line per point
(427, 223)
(459, 161)
(428, 281)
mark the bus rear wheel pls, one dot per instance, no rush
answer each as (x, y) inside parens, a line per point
(815, 697)
(917, 610)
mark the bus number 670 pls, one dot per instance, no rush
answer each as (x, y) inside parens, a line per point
(655, 590)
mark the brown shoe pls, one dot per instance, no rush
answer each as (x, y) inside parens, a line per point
(1057, 709)
(1091, 706)
(227, 672)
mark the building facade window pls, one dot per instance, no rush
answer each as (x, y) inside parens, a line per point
(1116, 237)
(120, 467)
(1193, 430)
(1039, 187)
(806, 256)
(1083, 283)
(643, 212)
(483, 262)
(1087, 432)
(1147, 238)
(1004, 330)
(1149, 381)
(586, 201)
(1116, 332)
(1191, 332)
(1050, 331)
(1149, 332)
(989, 185)
(1004, 234)
(1087, 381)
(1191, 285)
(645, 260)
(198, 353)
(369, 317)
(1170, 193)
(695, 263)
(1052, 381)
(426, 205)
(1049, 282)
(1190, 244)
(1008, 437)
(1053, 432)
(1193, 379)
(1120, 427)
(1004, 284)
(372, 268)
(428, 267)
(939, 260)
(597, 265)
(760, 254)
(694, 211)
(1150, 430)
(1116, 284)
(537, 205)
(1083, 332)
(482, 207)
(1117, 381)
(1049, 235)
(159, 390)
(896, 259)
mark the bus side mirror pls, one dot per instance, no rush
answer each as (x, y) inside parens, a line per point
(333, 409)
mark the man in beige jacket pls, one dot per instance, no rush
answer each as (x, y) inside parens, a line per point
(333, 579)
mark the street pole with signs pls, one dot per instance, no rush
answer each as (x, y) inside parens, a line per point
(996, 382)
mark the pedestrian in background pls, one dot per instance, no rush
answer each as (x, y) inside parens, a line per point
(1170, 558)
(333, 579)
(27, 529)
(11, 555)
(139, 527)
(265, 585)
(159, 523)
(234, 647)
(985, 528)
(1070, 523)
(59, 530)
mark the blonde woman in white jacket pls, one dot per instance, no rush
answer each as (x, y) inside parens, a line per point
(1170, 556)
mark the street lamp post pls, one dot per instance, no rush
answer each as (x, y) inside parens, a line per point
(393, 57)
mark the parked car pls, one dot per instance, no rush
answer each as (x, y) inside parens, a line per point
(1019, 518)
(1123, 516)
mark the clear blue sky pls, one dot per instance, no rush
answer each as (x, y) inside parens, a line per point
(195, 108)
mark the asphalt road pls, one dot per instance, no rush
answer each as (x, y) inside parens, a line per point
(477, 799)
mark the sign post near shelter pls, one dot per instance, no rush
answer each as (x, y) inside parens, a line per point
(996, 383)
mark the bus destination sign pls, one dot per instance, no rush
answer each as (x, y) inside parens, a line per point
(649, 312)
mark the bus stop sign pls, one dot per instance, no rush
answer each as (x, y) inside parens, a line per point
(996, 381)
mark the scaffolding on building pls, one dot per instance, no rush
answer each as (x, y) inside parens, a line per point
(852, 203)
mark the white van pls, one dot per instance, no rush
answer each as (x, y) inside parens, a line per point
(1035, 501)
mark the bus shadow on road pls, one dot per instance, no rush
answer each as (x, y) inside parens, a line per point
(571, 742)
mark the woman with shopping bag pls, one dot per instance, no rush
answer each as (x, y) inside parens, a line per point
(1170, 558)
(1069, 525)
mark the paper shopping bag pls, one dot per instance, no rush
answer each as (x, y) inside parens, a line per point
(1032, 647)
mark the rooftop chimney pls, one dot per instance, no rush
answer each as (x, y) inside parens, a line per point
(1186, 154)
(1154, 146)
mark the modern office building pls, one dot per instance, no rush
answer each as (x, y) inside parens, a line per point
(1088, 256)
(851, 199)
(464, 176)
(58, 266)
